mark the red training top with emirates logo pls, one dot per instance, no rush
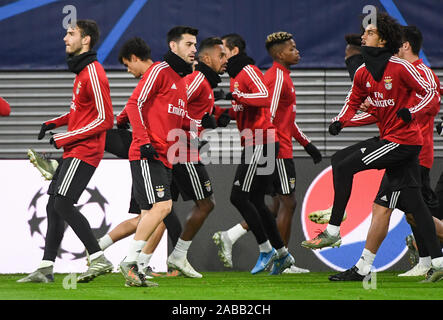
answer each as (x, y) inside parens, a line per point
(425, 120)
(400, 80)
(251, 104)
(156, 107)
(200, 101)
(90, 116)
(283, 109)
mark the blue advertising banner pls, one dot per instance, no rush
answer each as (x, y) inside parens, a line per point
(32, 31)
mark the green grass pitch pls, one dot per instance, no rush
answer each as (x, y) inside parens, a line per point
(227, 286)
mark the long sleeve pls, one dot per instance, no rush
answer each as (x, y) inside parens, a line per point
(355, 97)
(427, 92)
(360, 119)
(5, 109)
(122, 117)
(301, 138)
(60, 121)
(258, 93)
(98, 88)
(137, 102)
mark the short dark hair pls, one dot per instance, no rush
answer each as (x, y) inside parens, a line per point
(413, 35)
(389, 30)
(176, 33)
(134, 46)
(89, 28)
(209, 43)
(235, 40)
(277, 38)
(353, 39)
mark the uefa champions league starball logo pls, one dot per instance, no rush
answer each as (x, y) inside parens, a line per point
(93, 208)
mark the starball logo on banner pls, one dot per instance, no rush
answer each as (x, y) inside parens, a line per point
(354, 228)
(95, 202)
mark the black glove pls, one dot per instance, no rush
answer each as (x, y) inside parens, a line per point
(124, 126)
(228, 96)
(219, 94)
(335, 128)
(202, 143)
(313, 152)
(148, 151)
(52, 142)
(224, 119)
(404, 114)
(439, 128)
(45, 128)
(208, 121)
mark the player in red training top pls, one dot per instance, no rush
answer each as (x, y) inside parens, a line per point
(389, 82)
(282, 48)
(5, 109)
(385, 200)
(189, 175)
(251, 103)
(155, 110)
(89, 117)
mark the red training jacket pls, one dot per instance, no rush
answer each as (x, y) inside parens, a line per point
(89, 117)
(155, 109)
(400, 80)
(425, 121)
(251, 104)
(283, 109)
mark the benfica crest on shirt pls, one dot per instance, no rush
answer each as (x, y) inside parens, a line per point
(388, 82)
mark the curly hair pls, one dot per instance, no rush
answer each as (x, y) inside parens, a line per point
(277, 38)
(389, 30)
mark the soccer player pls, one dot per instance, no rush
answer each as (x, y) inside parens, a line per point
(190, 178)
(389, 82)
(282, 48)
(89, 117)
(251, 103)
(382, 207)
(5, 109)
(155, 109)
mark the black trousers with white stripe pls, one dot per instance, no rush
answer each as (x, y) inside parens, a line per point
(403, 174)
(248, 193)
(69, 181)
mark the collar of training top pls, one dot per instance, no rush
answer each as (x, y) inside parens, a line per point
(77, 63)
(375, 60)
(212, 76)
(178, 64)
(237, 63)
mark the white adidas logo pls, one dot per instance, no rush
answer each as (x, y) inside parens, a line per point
(237, 183)
(384, 198)
(210, 96)
(368, 85)
(363, 150)
(173, 86)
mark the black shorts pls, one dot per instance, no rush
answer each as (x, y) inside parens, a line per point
(191, 180)
(389, 199)
(256, 160)
(151, 182)
(283, 179)
(400, 161)
(71, 178)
